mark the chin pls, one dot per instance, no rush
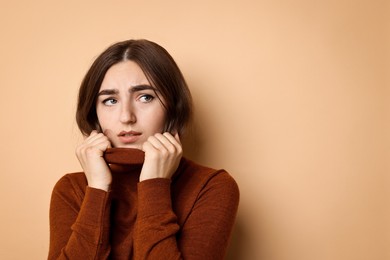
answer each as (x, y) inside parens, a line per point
(132, 146)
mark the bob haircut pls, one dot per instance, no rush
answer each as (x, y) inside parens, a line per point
(159, 68)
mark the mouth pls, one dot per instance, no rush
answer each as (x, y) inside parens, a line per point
(129, 137)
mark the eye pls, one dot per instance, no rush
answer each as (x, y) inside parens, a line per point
(146, 98)
(110, 101)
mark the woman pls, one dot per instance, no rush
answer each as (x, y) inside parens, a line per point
(138, 198)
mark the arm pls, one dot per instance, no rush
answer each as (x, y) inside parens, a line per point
(204, 235)
(207, 231)
(79, 227)
(79, 223)
(156, 225)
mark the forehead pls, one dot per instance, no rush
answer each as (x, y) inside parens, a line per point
(124, 74)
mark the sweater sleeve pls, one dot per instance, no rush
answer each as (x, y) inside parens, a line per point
(204, 235)
(79, 226)
(156, 225)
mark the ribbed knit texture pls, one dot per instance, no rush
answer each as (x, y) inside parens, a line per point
(188, 217)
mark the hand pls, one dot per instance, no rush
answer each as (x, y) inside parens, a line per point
(162, 156)
(90, 156)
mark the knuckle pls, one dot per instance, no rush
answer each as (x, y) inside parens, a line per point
(80, 149)
(171, 148)
(164, 153)
(90, 150)
(154, 155)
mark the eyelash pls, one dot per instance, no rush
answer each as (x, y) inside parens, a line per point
(149, 98)
(109, 99)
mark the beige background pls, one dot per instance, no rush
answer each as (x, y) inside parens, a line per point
(292, 98)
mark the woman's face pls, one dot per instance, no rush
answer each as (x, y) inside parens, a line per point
(127, 107)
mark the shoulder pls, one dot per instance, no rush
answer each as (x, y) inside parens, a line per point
(71, 185)
(203, 189)
(201, 172)
(203, 178)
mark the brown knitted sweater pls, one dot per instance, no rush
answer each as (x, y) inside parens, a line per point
(188, 217)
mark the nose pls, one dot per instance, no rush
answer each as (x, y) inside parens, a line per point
(127, 114)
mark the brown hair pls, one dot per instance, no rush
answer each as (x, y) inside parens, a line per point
(159, 68)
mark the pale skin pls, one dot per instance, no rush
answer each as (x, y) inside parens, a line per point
(131, 116)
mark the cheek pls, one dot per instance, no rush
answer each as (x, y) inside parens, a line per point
(156, 121)
(161, 122)
(103, 119)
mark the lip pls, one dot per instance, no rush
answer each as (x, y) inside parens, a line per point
(129, 137)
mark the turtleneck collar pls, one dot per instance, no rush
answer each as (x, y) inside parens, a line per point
(129, 159)
(124, 156)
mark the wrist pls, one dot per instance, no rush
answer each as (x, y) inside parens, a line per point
(105, 187)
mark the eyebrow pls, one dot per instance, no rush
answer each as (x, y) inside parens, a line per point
(132, 90)
(108, 92)
(142, 87)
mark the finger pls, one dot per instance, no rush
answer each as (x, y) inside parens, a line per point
(177, 137)
(94, 136)
(93, 133)
(170, 143)
(175, 140)
(99, 142)
(168, 140)
(110, 135)
(156, 142)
